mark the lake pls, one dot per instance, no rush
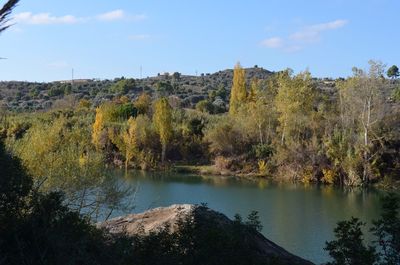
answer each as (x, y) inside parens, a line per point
(298, 217)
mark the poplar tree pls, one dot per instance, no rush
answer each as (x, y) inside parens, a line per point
(254, 89)
(162, 120)
(130, 141)
(98, 127)
(294, 103)
(238, 92)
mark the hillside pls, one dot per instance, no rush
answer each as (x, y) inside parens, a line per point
(29, 96)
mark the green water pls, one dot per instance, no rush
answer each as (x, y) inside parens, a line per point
(297, 217)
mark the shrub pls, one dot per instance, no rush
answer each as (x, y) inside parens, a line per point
(329, 176)
(262, 151)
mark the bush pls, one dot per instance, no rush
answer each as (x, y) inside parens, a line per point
(205, 106)
(56, 91)
(262, 151)
(396, 94)
(123, 86)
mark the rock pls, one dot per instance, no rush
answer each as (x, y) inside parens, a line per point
(155, 219)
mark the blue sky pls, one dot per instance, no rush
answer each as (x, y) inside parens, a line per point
(108, 39)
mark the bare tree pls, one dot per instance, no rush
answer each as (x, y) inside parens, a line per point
(5, 11)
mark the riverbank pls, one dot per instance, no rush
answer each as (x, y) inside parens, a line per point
(211, 170)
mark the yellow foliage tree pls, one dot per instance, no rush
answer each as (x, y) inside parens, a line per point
(98, 128)
(143, 103)
(126, 139)
(253, 93)
(238, 92)
(162, 120)
(294, 103)
(129, 138)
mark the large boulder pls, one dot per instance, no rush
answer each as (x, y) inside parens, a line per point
(156, 219)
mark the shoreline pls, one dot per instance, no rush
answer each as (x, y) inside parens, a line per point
(210, 170)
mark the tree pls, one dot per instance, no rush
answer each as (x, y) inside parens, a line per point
(294, 104)
(123, 86)
(38, 228)
(221, 92)
(387, 230)
(238, 91)
(349, 247)
(164, 88)
(162, 119)
(205, 106)
(143, 104)
(254, 89)
(393, 72)
(5, 11)
(129, 137)
(14, 184)
(98, 130)
(362, 107)
(60, 156)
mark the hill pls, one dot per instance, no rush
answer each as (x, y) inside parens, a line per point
(33, 96)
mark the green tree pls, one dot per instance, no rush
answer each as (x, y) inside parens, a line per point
(164, 88)
(238, 91)
(221, 92)
(205, 106)
(162, 119)
(387, 230)
(15, 184)
(123, 86)
(349, 247)
(393, 72)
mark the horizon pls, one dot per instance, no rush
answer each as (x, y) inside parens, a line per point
(107, 40)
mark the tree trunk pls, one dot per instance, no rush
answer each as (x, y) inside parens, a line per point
(164, 149)
(126, 160)
(260, 132)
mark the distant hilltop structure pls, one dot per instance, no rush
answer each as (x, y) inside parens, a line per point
(74, 81)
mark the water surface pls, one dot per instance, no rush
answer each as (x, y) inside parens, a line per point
(297, 217)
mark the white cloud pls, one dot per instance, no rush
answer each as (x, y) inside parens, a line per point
(313, 33)
(274, 42)
(44, 19)
(49, 19)
(308, 35)
(139, 37)
(112, 15)
(120, 14)
(330, 25)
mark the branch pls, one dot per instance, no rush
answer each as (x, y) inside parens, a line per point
(5, 11)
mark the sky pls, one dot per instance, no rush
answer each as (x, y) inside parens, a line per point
(133, 38)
